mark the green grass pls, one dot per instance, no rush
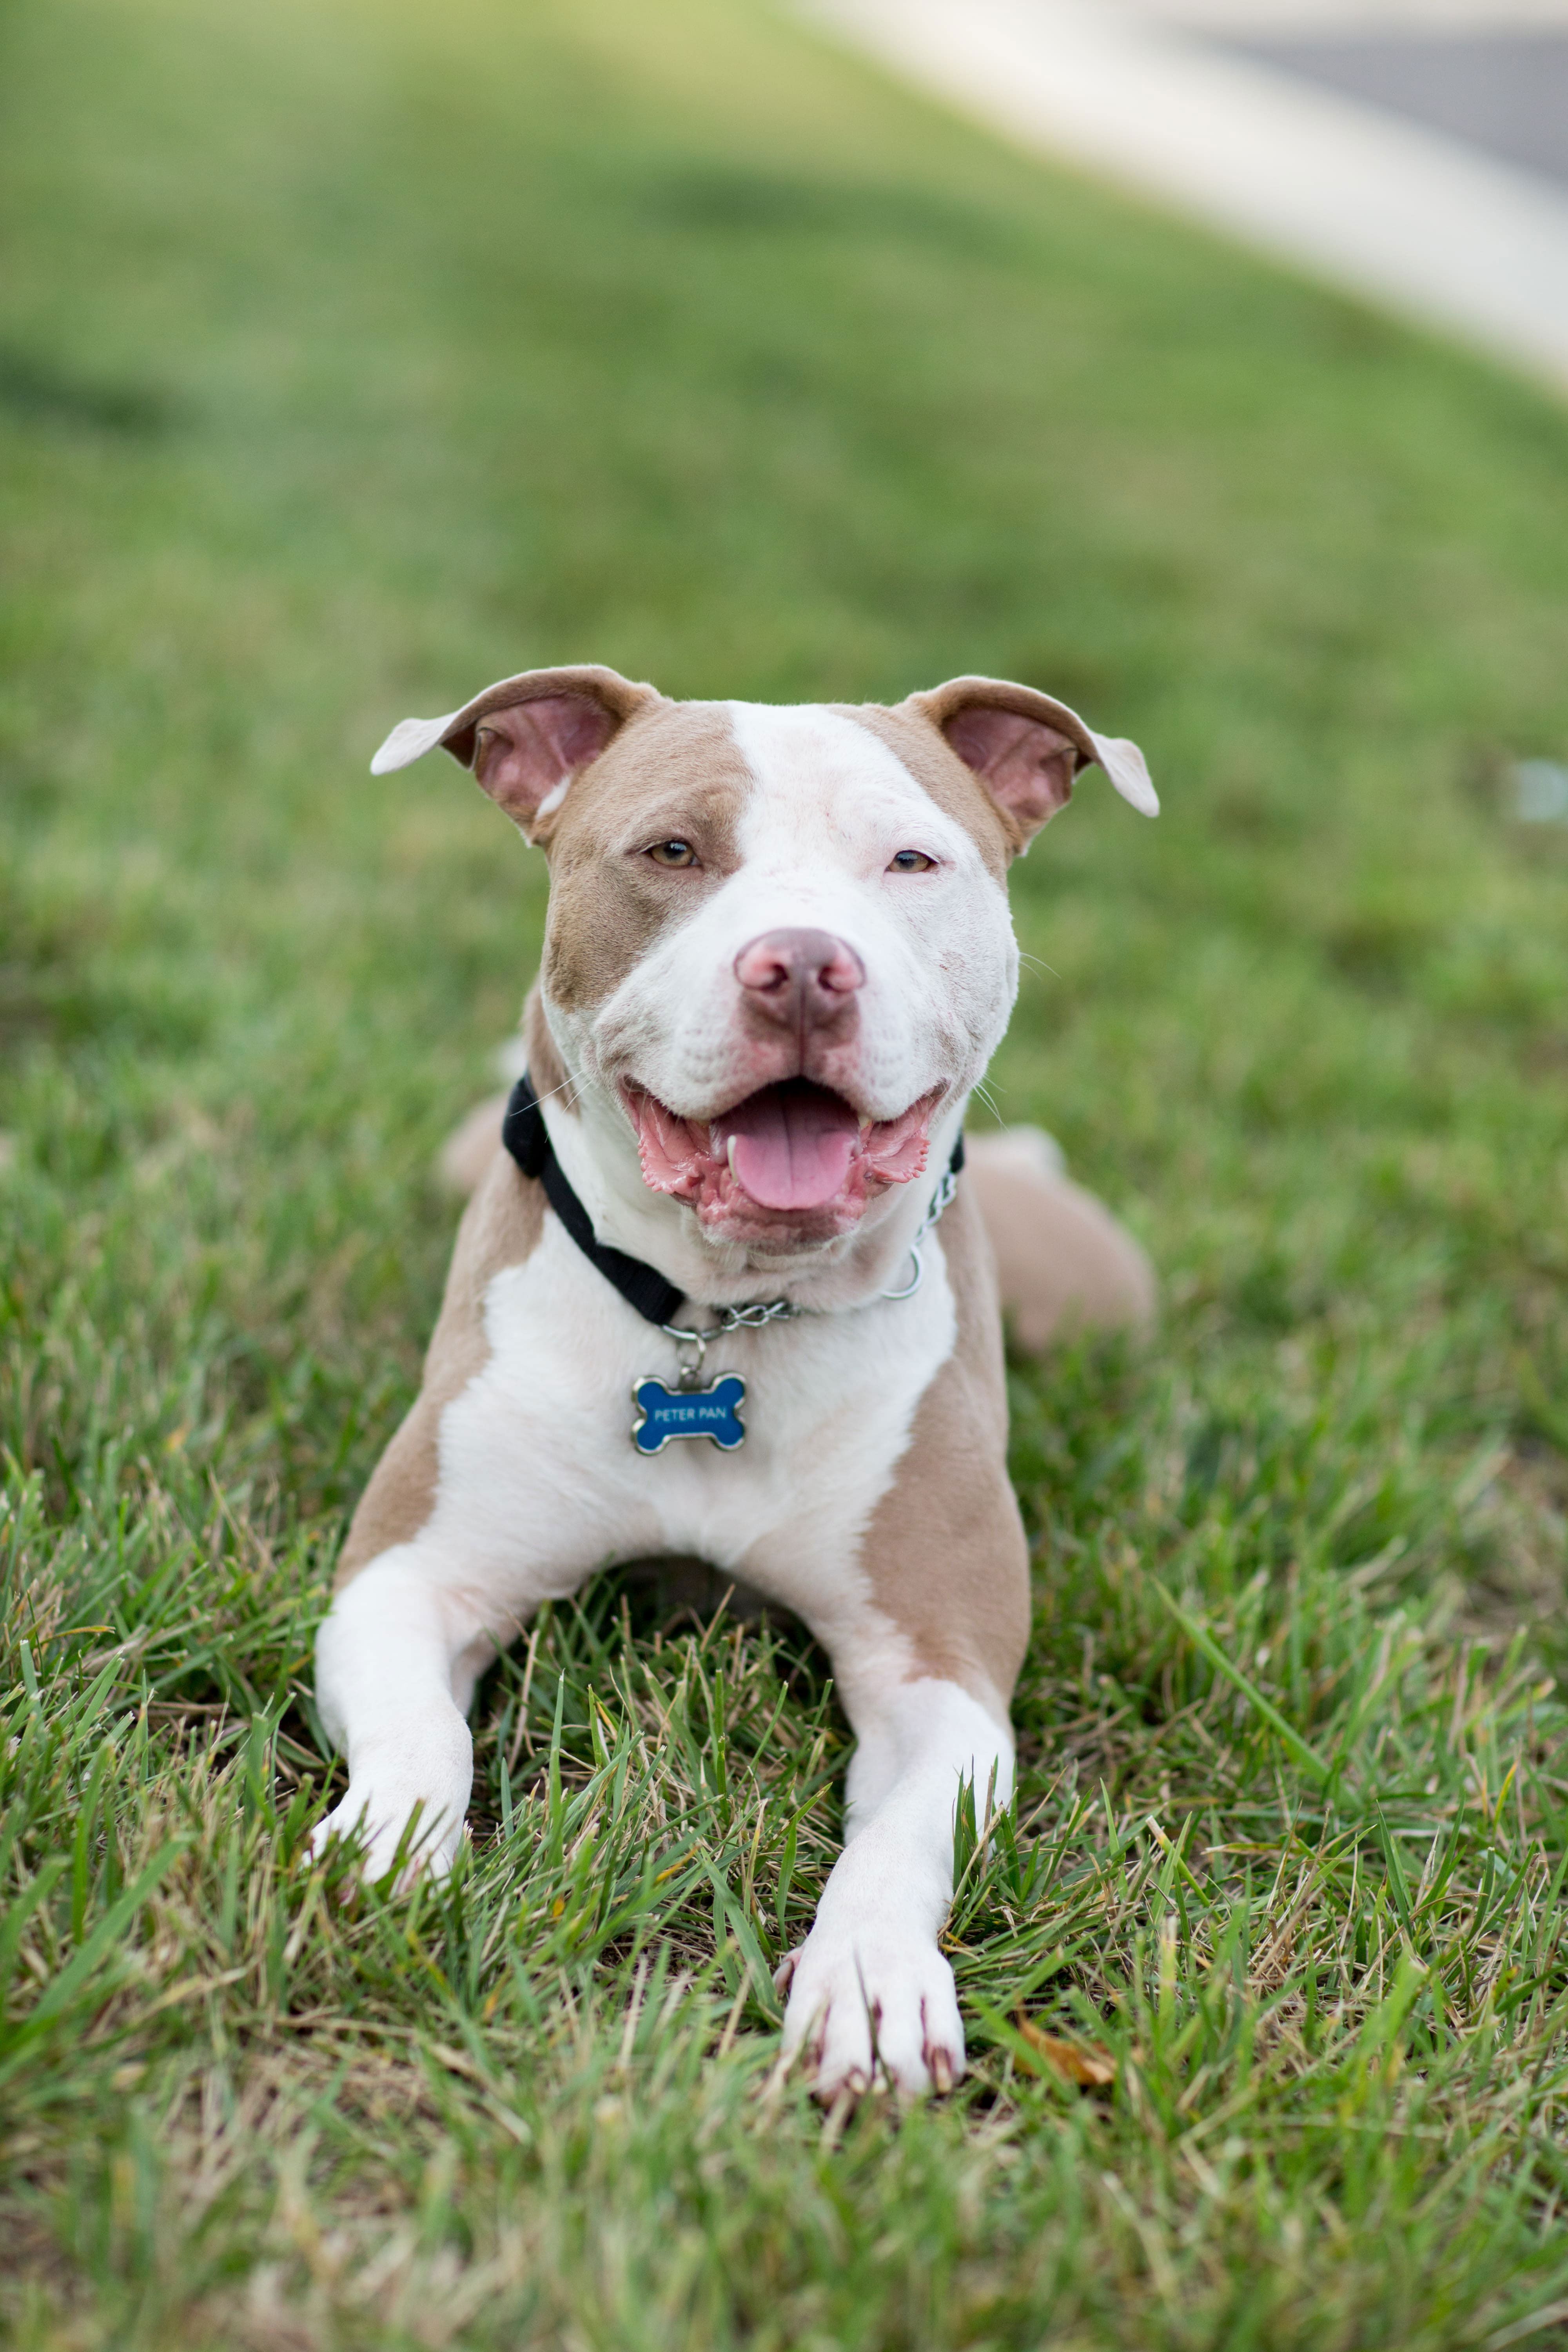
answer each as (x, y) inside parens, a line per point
(351, 356)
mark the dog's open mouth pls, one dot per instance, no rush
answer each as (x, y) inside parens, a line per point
(791, 1153)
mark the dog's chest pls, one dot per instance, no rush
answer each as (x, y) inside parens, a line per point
(538, 1462)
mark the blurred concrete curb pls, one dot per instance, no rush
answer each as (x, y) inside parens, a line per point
(1416, 221)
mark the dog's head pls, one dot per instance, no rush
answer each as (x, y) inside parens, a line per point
(778, 940)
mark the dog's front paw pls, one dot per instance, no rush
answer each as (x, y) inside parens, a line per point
(403, 1830)
(867, 2002)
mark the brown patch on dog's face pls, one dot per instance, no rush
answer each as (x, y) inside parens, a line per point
(674, 775)
(920, 746)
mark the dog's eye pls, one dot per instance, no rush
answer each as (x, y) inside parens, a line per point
(673, 853)
(910, 861)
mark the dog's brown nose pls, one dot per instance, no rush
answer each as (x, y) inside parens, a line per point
(801, 979)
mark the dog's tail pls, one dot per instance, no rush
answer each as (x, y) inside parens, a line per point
(1064, 1262)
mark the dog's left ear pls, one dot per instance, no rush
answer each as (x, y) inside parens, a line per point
(1027, 747)
(526, 737)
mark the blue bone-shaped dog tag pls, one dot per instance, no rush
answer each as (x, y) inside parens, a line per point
(665, 1412)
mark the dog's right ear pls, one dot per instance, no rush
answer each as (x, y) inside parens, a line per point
(527, 737)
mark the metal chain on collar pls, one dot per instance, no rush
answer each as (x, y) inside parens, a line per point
(940, 1198)
(760, 1312)
(730, 1318)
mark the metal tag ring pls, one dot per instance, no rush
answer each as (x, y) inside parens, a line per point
(909, 1288)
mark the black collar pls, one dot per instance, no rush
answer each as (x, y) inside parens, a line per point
(527, 1139)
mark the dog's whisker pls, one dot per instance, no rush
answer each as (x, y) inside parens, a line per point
(550, 1093)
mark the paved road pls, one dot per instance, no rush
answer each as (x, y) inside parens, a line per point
(1505, 92)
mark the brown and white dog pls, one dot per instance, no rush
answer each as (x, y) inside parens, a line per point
(778, 957)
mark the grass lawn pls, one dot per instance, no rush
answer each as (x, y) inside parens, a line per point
(352, 355)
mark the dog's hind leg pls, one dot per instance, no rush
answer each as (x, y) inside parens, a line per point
(1064, 1264)
(465, 1158)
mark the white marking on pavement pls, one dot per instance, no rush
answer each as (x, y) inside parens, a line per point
(1404, 215)
(1368, 16)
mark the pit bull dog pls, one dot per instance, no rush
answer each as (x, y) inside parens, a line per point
(723, 1291)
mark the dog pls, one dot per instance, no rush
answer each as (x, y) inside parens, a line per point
(727, 1286)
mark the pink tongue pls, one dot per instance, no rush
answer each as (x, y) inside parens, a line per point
(793, 1149)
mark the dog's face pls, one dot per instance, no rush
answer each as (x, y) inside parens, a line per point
(778, 938)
